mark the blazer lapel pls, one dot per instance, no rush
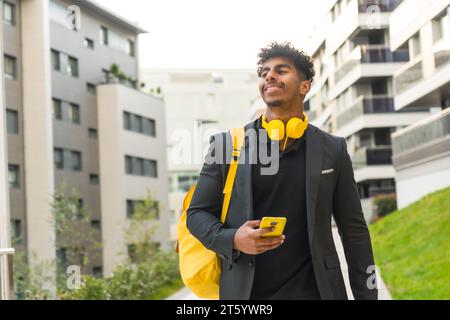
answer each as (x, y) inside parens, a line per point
(314, 155)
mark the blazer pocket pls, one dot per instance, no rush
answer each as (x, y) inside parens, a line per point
(328, 171)
(332, 262)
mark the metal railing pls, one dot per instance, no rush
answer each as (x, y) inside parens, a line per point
(366, 105)
(372, 156)
(6, 274)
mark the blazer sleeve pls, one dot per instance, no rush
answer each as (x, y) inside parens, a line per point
(353, 230)
(203, 214)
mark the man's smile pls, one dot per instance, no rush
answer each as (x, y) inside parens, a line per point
(270, 89)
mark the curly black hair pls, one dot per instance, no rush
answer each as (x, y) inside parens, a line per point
(302, 62)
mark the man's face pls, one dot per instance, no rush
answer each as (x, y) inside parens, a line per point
(279, 82)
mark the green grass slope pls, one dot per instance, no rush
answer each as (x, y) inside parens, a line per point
(412, 248)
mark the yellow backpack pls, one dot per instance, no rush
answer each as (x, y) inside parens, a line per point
(200, 267)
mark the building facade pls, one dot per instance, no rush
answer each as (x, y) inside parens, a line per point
(353, 93)
(71, 122)
(422, 151)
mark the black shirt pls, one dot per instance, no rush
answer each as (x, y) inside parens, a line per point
(287, 271)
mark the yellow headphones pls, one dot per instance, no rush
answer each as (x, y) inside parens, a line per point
(295, 128)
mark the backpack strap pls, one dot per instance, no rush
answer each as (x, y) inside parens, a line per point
(237, 136)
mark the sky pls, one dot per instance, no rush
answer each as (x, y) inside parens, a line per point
(214, 34)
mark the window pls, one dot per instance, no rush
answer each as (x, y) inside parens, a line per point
(75, 160)
(97, 272)
(16, 230)
(91, 88)
(72, 68)
(127, 120)
(61, 257)
(14, 176)
(93, 179)
(9, 13)
(92, 133)
(130, 208)
(12, 121)
(104, 36)
(150, 168)
(56, 60)
(438, 28)
(128, 165)
(105, 76)
(185, 182)
(10, 67)
(365, 139)
(89, 43)
(148, 127)
(138, 166)
(136, 123)
(139, 124)
(95, 224)
(74, 113)
(130, 48)
(58, 158)
(57, 109)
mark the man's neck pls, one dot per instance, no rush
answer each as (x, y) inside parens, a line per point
(284, 114)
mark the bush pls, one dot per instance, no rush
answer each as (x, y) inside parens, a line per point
(131, 281)
(385, 204)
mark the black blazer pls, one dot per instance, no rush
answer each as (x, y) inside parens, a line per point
(327, 193)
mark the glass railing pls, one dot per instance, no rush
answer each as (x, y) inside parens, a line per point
(376, 54)
(410, 76)
(372, 156)
(434, 128)
(367, 6)
(366, 105)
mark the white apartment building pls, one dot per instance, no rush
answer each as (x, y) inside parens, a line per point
(353, 91)
(199, 103)
(68, 120)
(422, 151)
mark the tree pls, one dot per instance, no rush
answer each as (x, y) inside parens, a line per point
(75, 236)
(141, 229)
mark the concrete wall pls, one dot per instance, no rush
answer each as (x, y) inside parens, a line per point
(116, 185)
(416, 181)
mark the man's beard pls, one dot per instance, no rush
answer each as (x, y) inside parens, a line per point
(275, 103)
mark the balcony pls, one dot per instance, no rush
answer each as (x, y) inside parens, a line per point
(372, 157)
(358, 14)
(383, 6)
(366, 105)
(367, 54)
(408, 75)
(441, 51)
(423, 139)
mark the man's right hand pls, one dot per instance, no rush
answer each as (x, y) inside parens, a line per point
(247, 239)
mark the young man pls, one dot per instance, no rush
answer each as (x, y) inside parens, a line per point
(314, 182)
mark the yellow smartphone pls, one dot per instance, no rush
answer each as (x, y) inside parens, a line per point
(277, 222)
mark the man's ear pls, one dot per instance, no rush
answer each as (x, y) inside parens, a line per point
(305, 86)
